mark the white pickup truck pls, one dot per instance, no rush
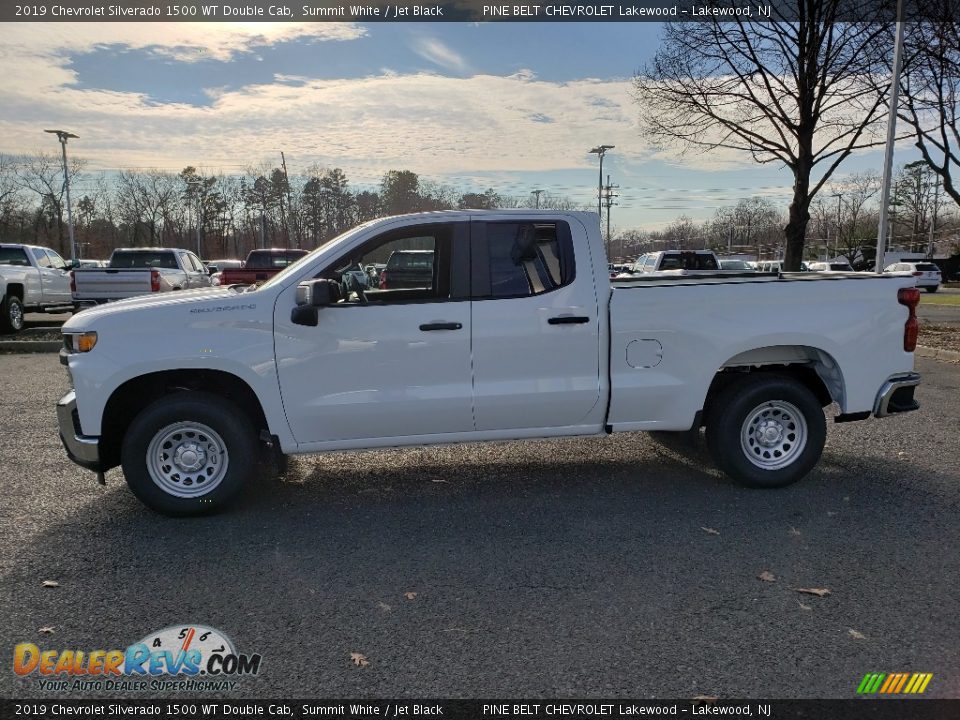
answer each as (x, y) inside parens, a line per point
(32, 278)
(138, 271)
(517, 332)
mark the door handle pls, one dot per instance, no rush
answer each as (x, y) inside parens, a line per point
(441, 326)
(569, 320)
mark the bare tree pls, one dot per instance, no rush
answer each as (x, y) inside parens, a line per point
(792, 91)
(930, 89)
(42, 173)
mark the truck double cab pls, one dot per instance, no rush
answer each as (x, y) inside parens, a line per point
(260, 265)
(138, 271)
(516, 333)
(32, 278)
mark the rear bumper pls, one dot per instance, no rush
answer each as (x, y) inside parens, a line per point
(84, 450)
(896, 395)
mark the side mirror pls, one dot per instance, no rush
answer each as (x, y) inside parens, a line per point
(317, 293)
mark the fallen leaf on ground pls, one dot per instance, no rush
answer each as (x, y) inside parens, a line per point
(410, 595)
(831, 513)
(51, 583)
(804, 607)
(48, 630)
(767, 576)
(794, 531)
(819, 592)
(856, 635)
(383, 606)
(439, 480)
(704, 698)
(710, 531)
(359, 659)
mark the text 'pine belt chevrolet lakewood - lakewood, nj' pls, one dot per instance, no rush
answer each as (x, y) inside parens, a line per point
(509, 329)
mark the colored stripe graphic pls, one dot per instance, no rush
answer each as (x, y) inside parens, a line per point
(894, 683)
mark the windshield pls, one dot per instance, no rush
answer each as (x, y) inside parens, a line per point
(329, 245)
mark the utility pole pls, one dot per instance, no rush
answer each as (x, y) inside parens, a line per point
(839, 197)
(608, 196)
(537, 194)
(199, 214)
(600, 151)
(63, 136)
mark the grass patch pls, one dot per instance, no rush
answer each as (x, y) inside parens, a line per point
(939, 299)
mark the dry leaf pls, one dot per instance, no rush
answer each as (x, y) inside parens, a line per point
(51, 583)
(767, 576)
(804, 607)
(819, 592)
(383, 606)
(359, 659)
(704, 698)
(794, 531)
(856, 635)
(710, 531)
(48, 630)
(410, 595)
(831, 513)
(438, 480)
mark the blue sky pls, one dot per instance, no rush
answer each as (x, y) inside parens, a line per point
(513, 106)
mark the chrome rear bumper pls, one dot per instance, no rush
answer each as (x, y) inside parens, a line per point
(896, 395)
(82, 449)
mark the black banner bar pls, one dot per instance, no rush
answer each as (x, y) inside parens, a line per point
(539, 709)
(443, 11)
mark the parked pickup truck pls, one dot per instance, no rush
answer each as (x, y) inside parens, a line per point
(138, 271)
(517, 333)
(677, 262)
(32, 278)
(260, 265)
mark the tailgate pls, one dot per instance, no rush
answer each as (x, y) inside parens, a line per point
(111, 283)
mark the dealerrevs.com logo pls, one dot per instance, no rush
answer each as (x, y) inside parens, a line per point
(180, 657)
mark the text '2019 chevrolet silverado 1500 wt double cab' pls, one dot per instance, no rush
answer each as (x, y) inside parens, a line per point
(517, 332)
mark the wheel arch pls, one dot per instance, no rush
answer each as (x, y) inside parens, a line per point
(132, 396)
(15, 288)
(814, 368)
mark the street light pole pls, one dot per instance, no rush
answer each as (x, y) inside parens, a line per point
(891, 137)
(63, 136)
(839, 197)
(600, 151)
(537, 194)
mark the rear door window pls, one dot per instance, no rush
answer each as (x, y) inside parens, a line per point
(521, 259)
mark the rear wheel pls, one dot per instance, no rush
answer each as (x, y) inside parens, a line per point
(766, 430)
(189, 453)
(11, 314)
(933, 288)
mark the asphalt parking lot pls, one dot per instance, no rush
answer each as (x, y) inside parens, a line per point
(588, 567)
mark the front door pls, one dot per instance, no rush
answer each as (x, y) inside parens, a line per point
(54, 279)
(390, 359)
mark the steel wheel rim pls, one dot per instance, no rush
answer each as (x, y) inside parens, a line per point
(187, 459)
(773, 435)
(16, 315)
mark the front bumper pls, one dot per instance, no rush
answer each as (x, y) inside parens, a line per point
(82, 449)
(896, 395)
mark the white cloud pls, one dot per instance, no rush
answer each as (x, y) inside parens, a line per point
(440, 54)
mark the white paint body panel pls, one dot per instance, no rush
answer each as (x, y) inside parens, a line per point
(363, 379)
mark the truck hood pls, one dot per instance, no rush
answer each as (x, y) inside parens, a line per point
(200, 297)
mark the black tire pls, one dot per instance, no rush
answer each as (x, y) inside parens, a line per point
(933, 288)
(236, 434)
(11, 314)
(747, 399)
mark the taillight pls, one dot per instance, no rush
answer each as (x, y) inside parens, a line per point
(383, 280)
(154, 281)
(917, 274)
(910, 297)
(73, 282)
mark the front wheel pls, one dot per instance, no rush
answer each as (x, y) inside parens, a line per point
(11, 314)
(189, 453)
(766, 431)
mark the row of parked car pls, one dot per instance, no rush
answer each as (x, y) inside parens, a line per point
(38, 279)
(699, 262)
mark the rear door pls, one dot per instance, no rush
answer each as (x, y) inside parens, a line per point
(536, 329)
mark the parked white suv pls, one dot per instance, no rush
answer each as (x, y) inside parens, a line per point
(927, 274)
(830, 267)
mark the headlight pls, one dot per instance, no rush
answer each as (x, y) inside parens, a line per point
(80, 342)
